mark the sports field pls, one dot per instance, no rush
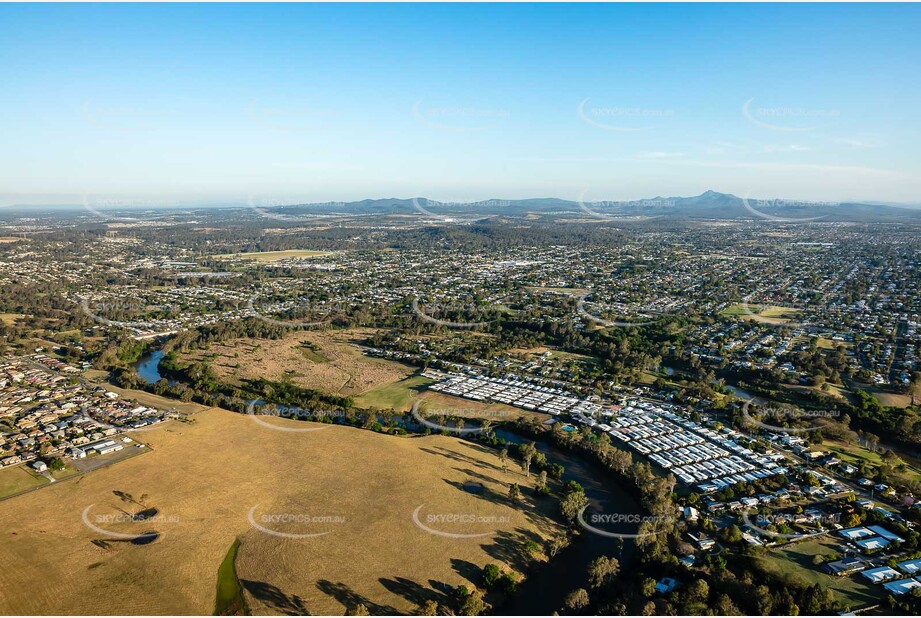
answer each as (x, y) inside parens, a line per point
(766, 314)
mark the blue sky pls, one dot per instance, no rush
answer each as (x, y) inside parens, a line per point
(280, 103)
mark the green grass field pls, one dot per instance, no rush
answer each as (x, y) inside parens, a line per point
(397, 395)
(229, 599)
(893, 400)
(16, 479)
(855, 454)
(852, 453)
(795, 561)
(313, 355)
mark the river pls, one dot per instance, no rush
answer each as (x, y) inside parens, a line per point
(741, 393)
(148, 368)
(544, 590)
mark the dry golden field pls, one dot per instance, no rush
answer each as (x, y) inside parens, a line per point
(207, 483)
(274, 256)
(339, 367)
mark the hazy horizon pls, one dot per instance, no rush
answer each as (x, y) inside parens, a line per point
(471, 102)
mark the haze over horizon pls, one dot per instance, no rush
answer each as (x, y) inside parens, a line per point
(316, 103)
(103, 203)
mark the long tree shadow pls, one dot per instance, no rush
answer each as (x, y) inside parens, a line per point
(276, 599)
(479, 475)
(479, 448)
(349, 598)
(468, 570)
(412, 591)
(511, 547)
(145, 538)
(458, 457)
(526, 507)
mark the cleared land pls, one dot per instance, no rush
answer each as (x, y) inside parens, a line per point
(205, 482)
(330, 361)
(274, 256)
(767, 314)
(885, 398)
(795, 561)
(401, 395)
(855, 454)
(16, 479)
(10, 318)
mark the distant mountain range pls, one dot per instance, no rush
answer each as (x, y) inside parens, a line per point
(708, 205)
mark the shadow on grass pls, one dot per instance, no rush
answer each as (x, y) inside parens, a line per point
(277, 600)
(349, 598)
(145, 538)
(461, 458)
(413, 591)
(511, 547)
(468, 570)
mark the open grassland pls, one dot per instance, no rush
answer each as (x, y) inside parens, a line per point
(16, 479)
(330, 361)
(207, 483)
(10, 318)
(274, 256)
(885, 398)
(833, 389)
(855, 454)
(767, 314)
(402, 394)
(795, 561)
